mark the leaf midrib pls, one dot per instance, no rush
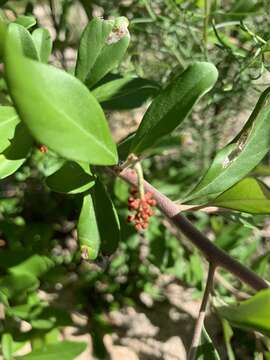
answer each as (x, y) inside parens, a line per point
(171, 108)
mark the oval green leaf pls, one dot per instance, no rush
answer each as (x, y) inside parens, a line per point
(88, 231)
(173, 104)
(58, 109)
(239, 157)
(108, 222)
(252, 314)
(102, 47)
(43, 43)
(70, 179)
(248, 195)
(22, 40)
(98, 224)
(26, 21)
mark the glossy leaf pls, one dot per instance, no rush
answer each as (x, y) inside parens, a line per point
(67, 350)
(173, 104)
(252, 314)
(125, 93)
(8, 121)
(102, 47)
(98, 225)
(22, 40)
(70, 179)
(71, 121)
(26, 21)
(43, 43)
(239, 157)
(88, 231)
(249, 195)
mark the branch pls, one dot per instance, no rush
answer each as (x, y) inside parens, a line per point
(200, 321)
(217, 257)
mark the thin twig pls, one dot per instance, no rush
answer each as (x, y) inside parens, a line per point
(200, 320)
(211, 252)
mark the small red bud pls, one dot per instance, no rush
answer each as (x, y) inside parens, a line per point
(43, 149)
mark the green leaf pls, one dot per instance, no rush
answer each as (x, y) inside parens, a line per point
(102, 47)
(8, 167)
(88, 232)
(98, 224)
(108, 222)
(67, 350)
(71, 121)
(125, 93)
(206, 349)
(70, 179)
(15, 154)
(228, 334)
(15, 284)
(239, 157)
(43, 43)
(6, 343)
(22, 40)
(173, 104)
(252, 314)
(8, 121)
(36, 265)
(26, 21)
(248, 195)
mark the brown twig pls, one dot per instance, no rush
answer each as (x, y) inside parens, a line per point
(200, 320)
(212, 253)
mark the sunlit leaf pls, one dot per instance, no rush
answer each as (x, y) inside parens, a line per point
(249, 195)
(58, 109)
(43, 43)
(26, 21)
(252, 314)
(22, 40)
(8, 121)
(102, 47)
(173, 104)
(64, 350)
(239, 157)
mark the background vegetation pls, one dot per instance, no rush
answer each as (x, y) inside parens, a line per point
(44, 282)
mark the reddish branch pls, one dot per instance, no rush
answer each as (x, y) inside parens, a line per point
(212, 253)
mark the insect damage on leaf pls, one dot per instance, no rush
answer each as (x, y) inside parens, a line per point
(118, 32)
(235, 152)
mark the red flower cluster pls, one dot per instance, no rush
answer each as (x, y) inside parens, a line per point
(141, 209)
